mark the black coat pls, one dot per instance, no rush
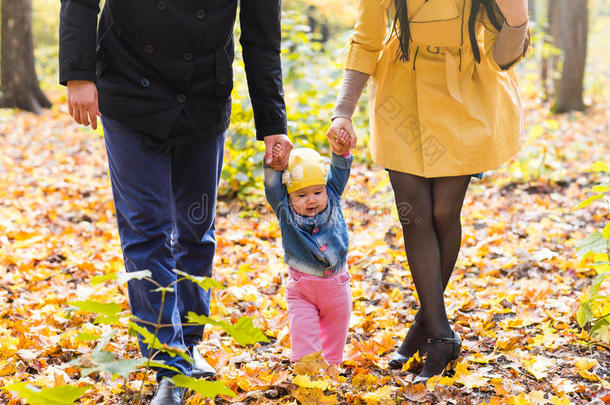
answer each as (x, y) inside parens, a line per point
(164, 66)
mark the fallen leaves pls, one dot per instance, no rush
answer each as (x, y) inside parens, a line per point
(513, 295)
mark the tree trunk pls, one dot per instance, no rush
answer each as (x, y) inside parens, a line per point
(572, 32)
(546, 72)
(532, 10)
(19, 84)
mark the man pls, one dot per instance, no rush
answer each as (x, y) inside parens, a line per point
(162, 72)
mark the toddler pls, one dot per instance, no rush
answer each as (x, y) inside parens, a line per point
(306, 202)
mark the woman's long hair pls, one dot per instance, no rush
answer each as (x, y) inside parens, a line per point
(401, 25)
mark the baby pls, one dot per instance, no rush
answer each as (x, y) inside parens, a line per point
(307, 203)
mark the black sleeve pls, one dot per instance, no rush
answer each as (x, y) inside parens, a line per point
(261, 35)
(77, 40)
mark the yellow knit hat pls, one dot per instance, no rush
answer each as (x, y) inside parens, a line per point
(305, 168)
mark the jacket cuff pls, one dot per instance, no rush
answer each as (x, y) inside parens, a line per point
(87, 75)
(341, 162)
(270, 123)
(361, 59)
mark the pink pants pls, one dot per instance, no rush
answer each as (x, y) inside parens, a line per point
(318, 310)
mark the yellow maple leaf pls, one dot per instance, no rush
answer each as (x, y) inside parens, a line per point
(382, 395)
(559, 401)
(305, 382)
(311, 364)
(414, 362)
(537, 366)
(466, 378)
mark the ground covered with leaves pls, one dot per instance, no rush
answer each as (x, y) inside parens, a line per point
(513, 297)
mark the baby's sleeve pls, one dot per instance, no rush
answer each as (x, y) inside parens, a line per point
(275, 191)
(338, 175)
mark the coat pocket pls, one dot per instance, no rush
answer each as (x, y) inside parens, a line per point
(107, 46)
(437, 23)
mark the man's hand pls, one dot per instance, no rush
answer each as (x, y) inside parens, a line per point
(514, 11)
(82, 102)
(279, 160)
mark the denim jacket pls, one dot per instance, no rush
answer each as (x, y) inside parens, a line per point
(313, 245)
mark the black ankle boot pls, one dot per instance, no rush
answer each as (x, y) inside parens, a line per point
(168, 394)
(413, 342)
(439, 357)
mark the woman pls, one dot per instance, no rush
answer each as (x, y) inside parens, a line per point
(443, 107)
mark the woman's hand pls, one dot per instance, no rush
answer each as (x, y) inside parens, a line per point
(514, 11)
(342, 124)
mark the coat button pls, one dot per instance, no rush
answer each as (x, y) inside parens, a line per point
(200, 14)
(222, 80)
(149, 48)
(145, 82)
(161, 6)
(188, 56)
(323, 248)
(181, 98)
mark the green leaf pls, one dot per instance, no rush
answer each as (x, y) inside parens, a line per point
(122, 276)
(87, 337)
(164, 289)
(63, 395)
(606, 231)
(243, 331)
(105, 340)
(107, 320)
(589, 200)
(107, 363)
(160, 364)
(100, 279)
(598, 329)
(597, 282)
(204, 282)
(97, 307)
(584, 314)
(592, 243)
(153, 342)
(209, 389)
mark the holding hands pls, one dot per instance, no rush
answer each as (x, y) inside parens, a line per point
(341, 136)
(280, 143)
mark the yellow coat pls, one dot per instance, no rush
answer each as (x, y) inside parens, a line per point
(439, 114)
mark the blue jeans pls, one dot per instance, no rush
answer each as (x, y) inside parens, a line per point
(165, 206)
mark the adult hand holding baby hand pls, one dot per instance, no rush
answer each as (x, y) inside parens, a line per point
(341, 136)
(277, 151)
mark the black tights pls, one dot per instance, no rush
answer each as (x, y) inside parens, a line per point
(429, 212)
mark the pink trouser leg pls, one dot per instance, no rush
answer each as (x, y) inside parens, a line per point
(335, 303)
(303, 319)
(318, 310)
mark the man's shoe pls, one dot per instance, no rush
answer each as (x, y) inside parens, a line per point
(168, 394)
(201, 368)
